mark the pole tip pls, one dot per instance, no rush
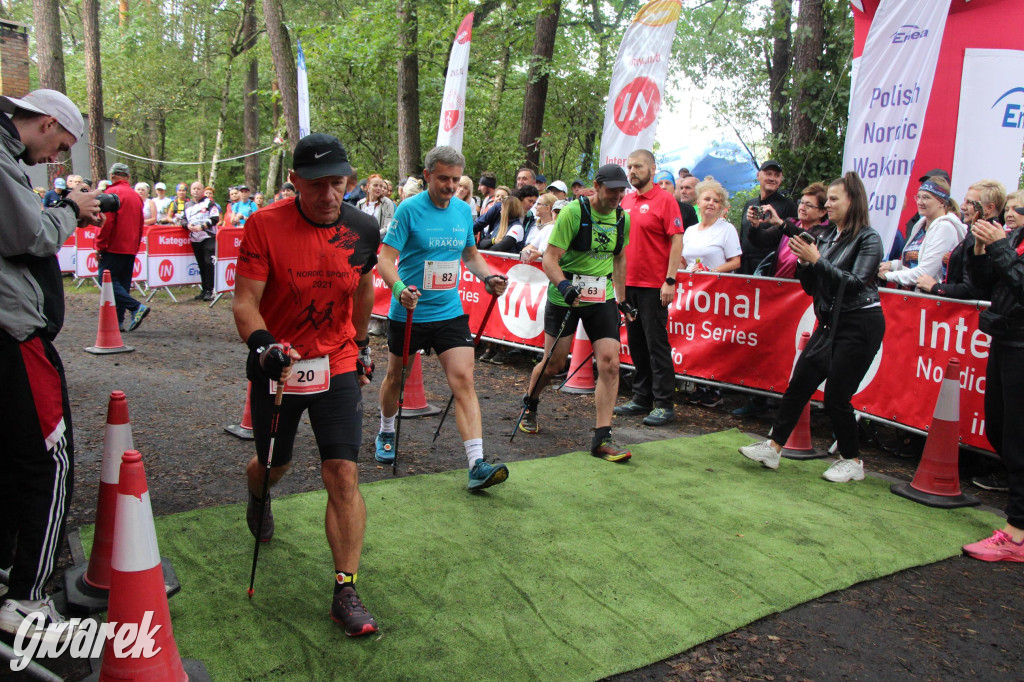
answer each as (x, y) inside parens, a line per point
(250, 592)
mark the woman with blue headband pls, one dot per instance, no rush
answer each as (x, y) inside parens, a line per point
(937, 233)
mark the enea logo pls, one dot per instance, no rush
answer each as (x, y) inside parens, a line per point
(908, 32)
(1013, 117)
(658, 13)
(193, 269)
(165, 270)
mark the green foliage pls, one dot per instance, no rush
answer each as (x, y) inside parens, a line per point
(736, 203)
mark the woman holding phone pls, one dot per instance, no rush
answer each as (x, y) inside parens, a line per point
(841, 278)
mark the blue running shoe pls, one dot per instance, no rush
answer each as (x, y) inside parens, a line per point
(484, 475)
(385, 453)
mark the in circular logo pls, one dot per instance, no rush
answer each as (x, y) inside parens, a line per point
(523, 303)
(92, 264)
(637, 105)
(229, 274)
(137, 267)
(166, 270)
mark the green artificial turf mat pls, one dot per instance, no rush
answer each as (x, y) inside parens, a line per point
(574, 569)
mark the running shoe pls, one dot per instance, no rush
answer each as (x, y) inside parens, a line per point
(752, 408)
(697, 397)
(529, 422)
(13, 614)
(500, 358)
(138, 316)
(385, 452)
(712, 398)
(488, 354)
(844, 471)
(995, 482)
(659, 416)
(999, 547)
(762, 452)
(610, 452)
(347, 610)
(252, 517)
(631, 408)
(484, 475)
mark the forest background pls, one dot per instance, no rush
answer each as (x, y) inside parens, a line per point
(188, 80)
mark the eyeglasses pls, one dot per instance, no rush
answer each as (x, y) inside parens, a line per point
(1019, 210)
(807, 204)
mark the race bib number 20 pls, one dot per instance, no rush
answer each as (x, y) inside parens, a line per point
(308, 376)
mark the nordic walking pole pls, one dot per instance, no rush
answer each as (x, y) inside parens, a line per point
(589, 358)
(278, 396)
(522, 413)
(401, 390)
(476, 342)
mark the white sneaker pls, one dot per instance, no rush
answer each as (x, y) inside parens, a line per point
(13, 613)
(762, 452)
(844, 470)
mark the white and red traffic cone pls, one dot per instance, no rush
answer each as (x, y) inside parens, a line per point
(937, 480)
(415, 403)
(581, 378)
(108, 333)
(800, 445)
(243, 429)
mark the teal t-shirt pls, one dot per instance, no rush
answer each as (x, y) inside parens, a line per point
(430, 238)
(596, 262)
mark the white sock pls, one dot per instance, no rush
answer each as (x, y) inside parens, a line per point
(387, 424)
(474, 450)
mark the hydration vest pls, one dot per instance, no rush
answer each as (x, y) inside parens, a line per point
(583, 239)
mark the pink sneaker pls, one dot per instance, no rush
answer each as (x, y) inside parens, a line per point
(999, 547)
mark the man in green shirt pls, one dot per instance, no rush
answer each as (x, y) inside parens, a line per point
(586, 263)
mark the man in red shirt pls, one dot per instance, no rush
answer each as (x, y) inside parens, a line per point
(305, 278)
(652, 256)
(117, 244)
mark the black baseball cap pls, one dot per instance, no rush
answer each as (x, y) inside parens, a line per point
(771, 164)
(934, 173)
(319, 155)
(611, 175)
(579, 182)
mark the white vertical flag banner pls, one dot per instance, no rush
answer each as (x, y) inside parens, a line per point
(303, 95)
(638, 78)
(889, 101)
(990, 127)
(453, 104)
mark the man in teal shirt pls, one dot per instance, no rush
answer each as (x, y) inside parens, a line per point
(586, 264)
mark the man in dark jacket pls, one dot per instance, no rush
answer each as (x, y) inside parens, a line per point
(769, 177)
(37, 460)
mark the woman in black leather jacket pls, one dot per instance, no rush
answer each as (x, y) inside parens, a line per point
(997, 268)
(839, 272)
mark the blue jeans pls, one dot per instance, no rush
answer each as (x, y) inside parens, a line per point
(120, 266)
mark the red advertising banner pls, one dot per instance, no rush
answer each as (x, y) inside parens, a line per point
(86, 262)
(140, 269)
(66, 255)
(170, 258)
(744, 331)
(229, 240)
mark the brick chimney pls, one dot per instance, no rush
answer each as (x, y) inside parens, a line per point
(13, 58)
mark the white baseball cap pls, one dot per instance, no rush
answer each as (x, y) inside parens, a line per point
(559, 185)
(49, 103)
(559, 205)
(159, 185)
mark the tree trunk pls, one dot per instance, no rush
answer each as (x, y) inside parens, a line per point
(49, 49)
(122, 13)
(408, 91)
(499, 86)
(94, 88)
(810, 36)
(222, 119)
(251, 103)
(284, 65)
(532, 126)
(778, 63)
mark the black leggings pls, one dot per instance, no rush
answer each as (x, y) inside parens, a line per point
(1003, 424)
(857, 338)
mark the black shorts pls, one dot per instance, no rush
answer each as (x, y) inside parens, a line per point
(441, 335)
(600, 320)
(336, 416)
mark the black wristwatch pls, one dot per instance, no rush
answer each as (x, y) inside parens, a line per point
(670, 280)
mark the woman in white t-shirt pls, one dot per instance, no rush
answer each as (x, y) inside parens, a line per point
(713, 242)
(544, 209)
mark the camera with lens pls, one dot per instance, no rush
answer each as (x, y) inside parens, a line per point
(759, 212)
(109, 203)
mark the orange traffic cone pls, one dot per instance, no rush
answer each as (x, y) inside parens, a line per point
(581, 379)
(87, 585)
(137, 597)
(415, 404)
(937, 481)
(108, 334)
(243, 429)
(800, 445)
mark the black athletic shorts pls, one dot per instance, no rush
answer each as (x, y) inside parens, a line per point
(336, 416)
(441, 335)
(600, 320)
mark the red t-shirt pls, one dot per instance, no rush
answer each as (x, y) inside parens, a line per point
(312, 271)
(121, 231)
(653, 219)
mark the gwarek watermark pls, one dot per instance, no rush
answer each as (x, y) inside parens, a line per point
(82, 638)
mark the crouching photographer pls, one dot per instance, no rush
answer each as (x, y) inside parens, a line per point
(841, 279)
(37, 460)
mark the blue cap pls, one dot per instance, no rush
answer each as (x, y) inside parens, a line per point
(664, 175)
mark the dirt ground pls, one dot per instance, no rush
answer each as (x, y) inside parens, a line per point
(957, 619)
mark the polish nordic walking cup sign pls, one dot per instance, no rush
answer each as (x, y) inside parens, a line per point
(638, 77)
(452, 126)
